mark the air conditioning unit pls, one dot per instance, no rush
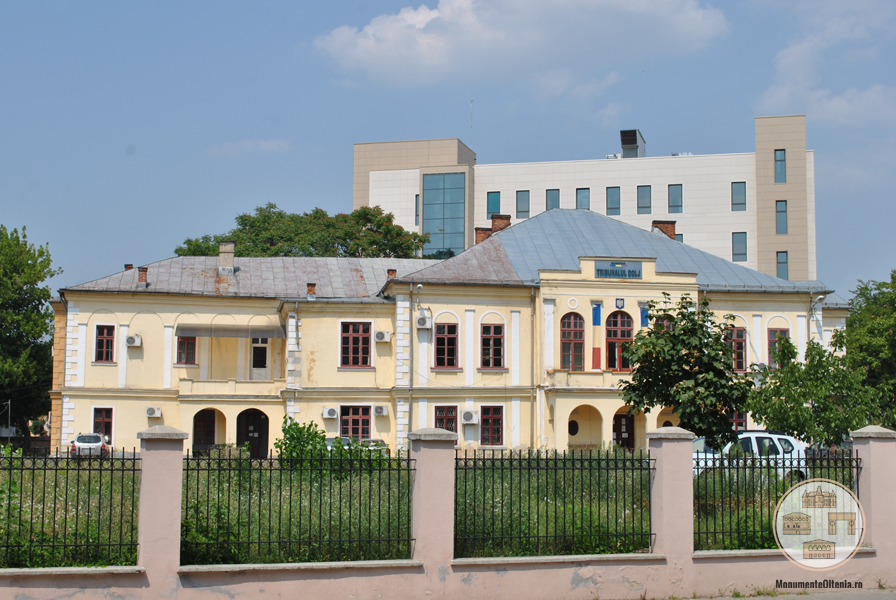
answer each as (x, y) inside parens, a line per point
(134, 341)
(154, 411)
(469, 417)
(424, 322)
(381, 411)
(382, 336)
(331, 412)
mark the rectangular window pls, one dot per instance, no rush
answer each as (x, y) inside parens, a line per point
(551, 199)
(736, 338)
(781, 217)
(644, 200)
(355, 422)
(613, 201)
(782, 265)
(675, 201)
(443, 214)
(773, 335)
(446, 346)
(355, 345)
(417, 209)
(780, 167)
(583, 198)
(739, 247)
(739, 422)
(679, 237)
(446, 418)
(494, 204)
(186, 351)
(738, 196)
(492, 346)
(105, 343)
(492, 428)
(102, 421)
(522, 204)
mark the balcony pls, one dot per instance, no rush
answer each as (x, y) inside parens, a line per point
(230, 387)
(560, 378)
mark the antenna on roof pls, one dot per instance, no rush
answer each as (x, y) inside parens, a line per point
(471, 123)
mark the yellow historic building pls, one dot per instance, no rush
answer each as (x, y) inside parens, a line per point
(515, 342)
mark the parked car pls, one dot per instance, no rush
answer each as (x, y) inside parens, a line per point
(88, 445)
(843, 449)
(331, 441)
(785, 454)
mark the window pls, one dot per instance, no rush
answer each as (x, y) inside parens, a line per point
(572, 342)
(204, 428)
(739, 196)
(675, 202)
(417, 209)
(767, 446)
(781, 217)
(355, 422)
(782, 265)
(355, 345)
(643, 199)
(492, 346)
(679, 237)
(522, 204)
(612, 200)
(773, 335)
(494, 204)
(736, 337)
(786, 446)
(619, 335)
(446, 418)
(583, 198)
(443, 212)
(492, 431)
(186, 351)
(739, 247)
(105, 343)
(551, 199)
(739, 422)
(102, 421)
(446, 346)
(259, 353)
(780, 167)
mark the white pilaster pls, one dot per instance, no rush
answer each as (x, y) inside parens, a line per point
(402, 341)
(515, 421)
(293, 354)
(123, 355)
(82, 354)
(469, 345)
(549, 305)
(757, 340)
(515, 347)
(169, 358)
(422, 364)
(802, 333)
(241, 359)
(423, 413)
(204, 358)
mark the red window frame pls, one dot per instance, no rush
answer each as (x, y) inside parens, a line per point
(492, 347)
(620, 332)
(186, 350)
(491, 429)
(355, 345)
(572, 342)
(102, 421)
(736, 338)
(446, 346)
(773, 335)
(354, 422)
(105, 344)
(738, 420)
(204, 423)
(446, 418)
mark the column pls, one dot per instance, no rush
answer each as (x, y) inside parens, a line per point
(672, 493)
(876, 446)
(433, 497)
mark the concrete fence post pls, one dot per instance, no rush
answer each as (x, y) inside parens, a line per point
(672, 496)
(433, 498)
(876, 446)
(161, 486)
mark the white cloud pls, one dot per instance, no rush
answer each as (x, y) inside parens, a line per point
(563, 82)
(246, 146)
(610, 114)
(494, 39)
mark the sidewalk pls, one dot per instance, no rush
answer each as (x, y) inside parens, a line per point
(864, 594)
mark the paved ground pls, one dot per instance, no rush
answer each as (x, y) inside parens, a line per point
(864, 594)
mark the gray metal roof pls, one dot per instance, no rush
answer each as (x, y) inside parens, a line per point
(282, 277)
(556, 239)
(834, 301)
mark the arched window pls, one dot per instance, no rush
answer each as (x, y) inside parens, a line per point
(619, 335)
(572, 342)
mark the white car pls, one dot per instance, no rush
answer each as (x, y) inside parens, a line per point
(785, 454)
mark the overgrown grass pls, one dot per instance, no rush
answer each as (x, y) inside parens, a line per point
(62, 512)
(352, 506)
(538, 504)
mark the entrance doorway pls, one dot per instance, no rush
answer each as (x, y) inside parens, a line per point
(252, 427)
(205, 430)
(624, 431)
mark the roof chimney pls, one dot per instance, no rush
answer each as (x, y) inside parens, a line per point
(312, 291)
(666, 227)
(225, 258)
(128, 266)
(391, 273)
(142, 284)
(482, 234)
(500, 222)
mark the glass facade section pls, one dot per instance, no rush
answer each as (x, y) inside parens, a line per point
(739, 247)
(781, 217)
(443, 213)
(493, 204)
(738, 196)
(522, 204)
(675, 204)
(417, 209)
(644, 200)
(780, 166)
(583, 198)
(551, 199)
(679, 237)
(782, 265)
(612, 200)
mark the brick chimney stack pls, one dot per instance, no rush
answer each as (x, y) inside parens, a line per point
(128, 266)
(667, 227)
(142, 283)
(482, 234)
(312, 291)
(391, 273)
(500, 222)
(225, 258)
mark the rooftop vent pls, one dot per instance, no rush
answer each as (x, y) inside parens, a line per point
(633, 144)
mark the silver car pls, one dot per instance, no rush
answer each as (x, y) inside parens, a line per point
(88, 445)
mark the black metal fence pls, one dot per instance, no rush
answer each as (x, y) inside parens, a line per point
(349, 505)
(537, 503)
(735, 497)
(60, 511)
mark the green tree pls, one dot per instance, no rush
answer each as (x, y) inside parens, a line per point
(819, 400)
(26, 328)
(871, 340)
(367, 232)
(683, 362)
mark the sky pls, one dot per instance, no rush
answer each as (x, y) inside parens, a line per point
(128, 127)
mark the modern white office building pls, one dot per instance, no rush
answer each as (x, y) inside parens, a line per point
(756, 208)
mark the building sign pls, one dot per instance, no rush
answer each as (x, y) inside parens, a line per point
(614, 269)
